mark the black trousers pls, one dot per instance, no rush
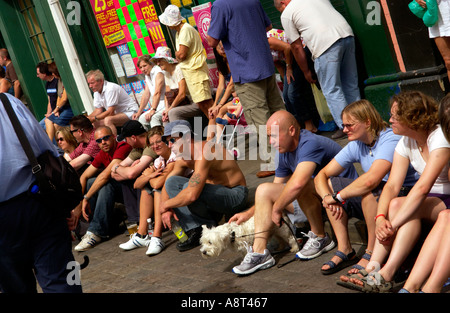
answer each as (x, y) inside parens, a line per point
(35, 245)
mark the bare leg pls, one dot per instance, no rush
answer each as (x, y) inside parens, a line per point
(145, 212)
(157, 231)
(265, 197)
(443, 44)
(433, 258)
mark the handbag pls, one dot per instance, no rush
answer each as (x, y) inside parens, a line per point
(321, 105)
(57, 183)
(172, 94)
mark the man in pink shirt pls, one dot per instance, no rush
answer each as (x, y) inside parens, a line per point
(83, 131)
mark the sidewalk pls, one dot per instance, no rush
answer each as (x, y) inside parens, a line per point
(112, 270)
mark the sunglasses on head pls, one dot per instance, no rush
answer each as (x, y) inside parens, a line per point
(105, 138)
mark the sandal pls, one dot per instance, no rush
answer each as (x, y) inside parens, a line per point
(366, 256)
(347, 260)
(374, 282)
(348, 284)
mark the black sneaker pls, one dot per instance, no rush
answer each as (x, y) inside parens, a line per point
(192, 241)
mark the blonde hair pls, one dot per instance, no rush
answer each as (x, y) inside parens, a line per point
(363, 110)
(416, 110)
(156, 130)
(67, 135)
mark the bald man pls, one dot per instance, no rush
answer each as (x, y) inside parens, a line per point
(301, 155)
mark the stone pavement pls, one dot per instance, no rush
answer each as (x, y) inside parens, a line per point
(112, 270)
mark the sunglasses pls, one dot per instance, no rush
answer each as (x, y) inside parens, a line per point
(105, 138)
(72, 131)
(171, 140)
(60, 139)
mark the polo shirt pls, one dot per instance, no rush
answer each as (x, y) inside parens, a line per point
(103, 159)
(311, 148)
(241, 26)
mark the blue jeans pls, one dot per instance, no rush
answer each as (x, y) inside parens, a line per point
(32, 238)
(214, 202)
(102, 203)
(338, 76)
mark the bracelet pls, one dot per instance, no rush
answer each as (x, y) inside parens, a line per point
(379, 216)
(86, 197)
(116, 167)
(96, 118)
(152, 109)
(328, 194)
(287, 64)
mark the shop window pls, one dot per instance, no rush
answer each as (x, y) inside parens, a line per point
(36, 33)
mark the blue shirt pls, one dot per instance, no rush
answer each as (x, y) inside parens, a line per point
(383, 149)
(241, 26)
(313, 148)
(15, 169)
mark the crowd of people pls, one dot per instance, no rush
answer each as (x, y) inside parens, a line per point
(148, 157)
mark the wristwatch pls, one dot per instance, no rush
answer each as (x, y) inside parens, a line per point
(337, 197)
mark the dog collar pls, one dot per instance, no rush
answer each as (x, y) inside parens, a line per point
(233, 236)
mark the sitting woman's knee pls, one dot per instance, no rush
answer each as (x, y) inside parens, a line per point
(394, 206)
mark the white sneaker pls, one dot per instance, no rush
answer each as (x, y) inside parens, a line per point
(88, 241)
(135, 242)
(156, 246)
(315, 246)
(254, 261)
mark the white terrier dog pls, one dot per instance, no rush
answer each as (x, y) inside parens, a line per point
(215, 240)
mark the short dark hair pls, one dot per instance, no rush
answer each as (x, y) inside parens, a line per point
(43, 68)
(81, 122)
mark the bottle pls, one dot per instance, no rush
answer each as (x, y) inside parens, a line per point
(150, 227)
(178, 231)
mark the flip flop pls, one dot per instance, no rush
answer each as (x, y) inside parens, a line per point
(347, 260)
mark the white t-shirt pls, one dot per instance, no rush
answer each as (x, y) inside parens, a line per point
(114, 95)
(160, 162)
(150, 82)
(408, 148)
(173, 80)
(317, 21)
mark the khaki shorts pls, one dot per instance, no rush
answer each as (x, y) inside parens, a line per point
(260, 100)
(199, 91)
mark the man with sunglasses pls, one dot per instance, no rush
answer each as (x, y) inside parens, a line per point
(217, 187)
(101, 192)
(83, 131)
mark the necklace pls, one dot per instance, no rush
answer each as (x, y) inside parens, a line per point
(420, 148)
(370, 146)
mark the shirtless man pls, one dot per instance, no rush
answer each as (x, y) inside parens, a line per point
(217, 186)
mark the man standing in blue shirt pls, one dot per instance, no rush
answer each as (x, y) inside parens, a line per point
(242, 27)
(31, 236)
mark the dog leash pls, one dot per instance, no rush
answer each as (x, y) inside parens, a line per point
(294, 258)
(233, 238)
